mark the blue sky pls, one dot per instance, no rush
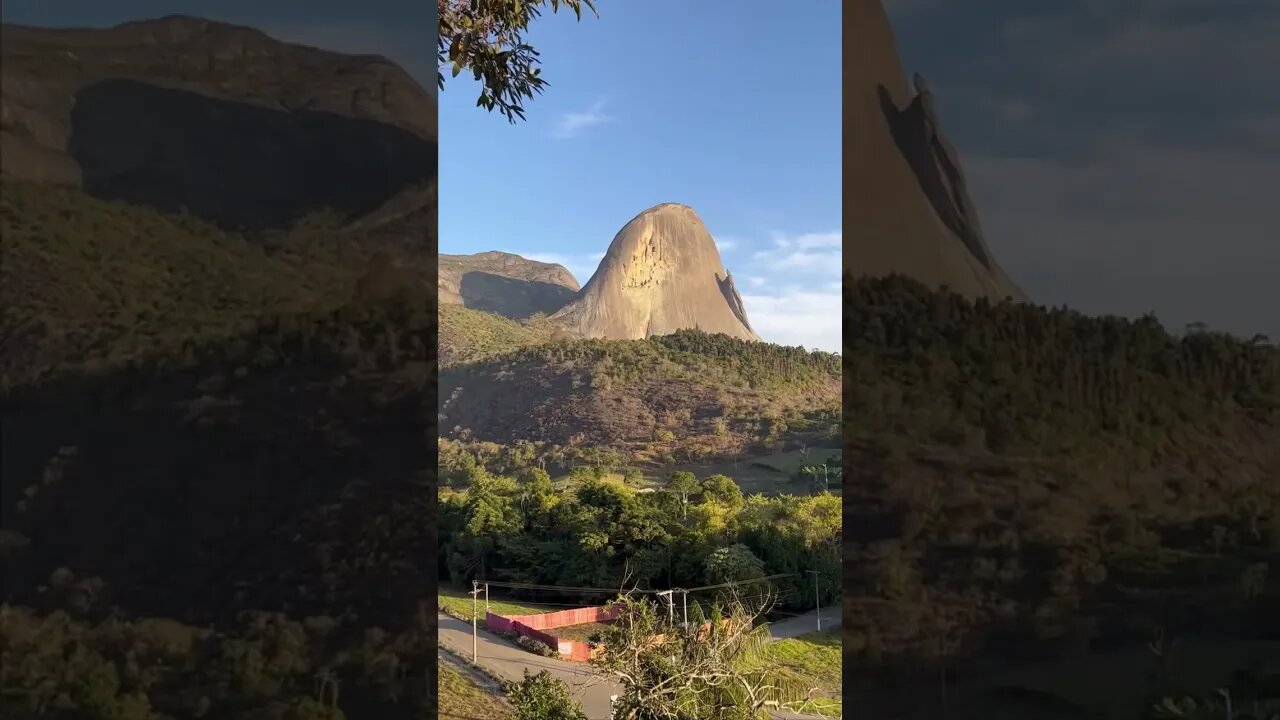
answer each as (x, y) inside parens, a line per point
(1124, 155)
(731, 108)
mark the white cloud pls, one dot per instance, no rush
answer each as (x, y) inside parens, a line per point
(793, 291)
(582, 266)
(809, 318)
(571, 123)
(727, 242)
(817, 253)
(809, 241)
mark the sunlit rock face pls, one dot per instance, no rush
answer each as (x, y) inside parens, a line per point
(906, 206)
(662, 273)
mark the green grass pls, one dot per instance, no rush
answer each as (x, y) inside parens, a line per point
(460, 696)
(458, 604)
(812, 660)
(750, 476)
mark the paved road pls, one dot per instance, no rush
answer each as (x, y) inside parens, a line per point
(509, 661)
(804, 624)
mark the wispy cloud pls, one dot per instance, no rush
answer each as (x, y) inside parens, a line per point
(792, 291)
(727, 242)
(796, 316)
(572, 123)
(808, 252)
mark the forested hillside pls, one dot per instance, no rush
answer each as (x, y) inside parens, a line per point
(1013, 472)
(468, 335)
(685, 395)
(217, 489)
(88, 285)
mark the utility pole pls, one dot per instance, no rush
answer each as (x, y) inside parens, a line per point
(817, 598)
(475, 632)
(486, 597)
(671, 605)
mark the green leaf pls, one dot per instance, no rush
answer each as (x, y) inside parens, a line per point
(457, 68)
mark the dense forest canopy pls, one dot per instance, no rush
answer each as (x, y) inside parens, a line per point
(698, 531)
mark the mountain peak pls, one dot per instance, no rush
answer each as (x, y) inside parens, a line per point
(913, 215)
(662, 273)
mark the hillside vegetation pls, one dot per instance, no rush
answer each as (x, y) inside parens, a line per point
(88, 285)
(699, 531)
(685, 395)
(468, 335)
(217, 476)
(1015, 474)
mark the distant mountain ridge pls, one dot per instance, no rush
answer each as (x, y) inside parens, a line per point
(661, 274)
(504, 284)
(223, 122)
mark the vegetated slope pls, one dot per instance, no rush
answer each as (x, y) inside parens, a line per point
(229, 430)
(462, 695)
(284, 470)
(1025, 469)
(88, 284)
(467, 335)
(662, 273)
(503, 283)
(236, 127)
(911, 212)
(85, 280)
(706, 393)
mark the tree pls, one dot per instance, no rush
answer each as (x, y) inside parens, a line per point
(722, 489)
(735, 563)
(683, 483)
(488, 37)
(542, 697)
(713, 670)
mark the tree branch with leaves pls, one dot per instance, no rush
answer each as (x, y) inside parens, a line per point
(712, 669)
(487, 37)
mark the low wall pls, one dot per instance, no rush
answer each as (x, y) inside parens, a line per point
(520, 628)
(537, 627)
(548, 621)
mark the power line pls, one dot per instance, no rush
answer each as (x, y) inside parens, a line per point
(622, 591)
(561, 588)
(737, 583)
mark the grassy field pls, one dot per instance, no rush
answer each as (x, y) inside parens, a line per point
(461, 697)
(814, 661)
(771, 474)
(458, 604)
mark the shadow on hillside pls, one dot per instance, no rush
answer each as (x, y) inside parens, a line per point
(193, 493)
(234, 164)
(511, 297)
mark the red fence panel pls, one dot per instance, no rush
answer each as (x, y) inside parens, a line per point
(535, 627)
(497, 623)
